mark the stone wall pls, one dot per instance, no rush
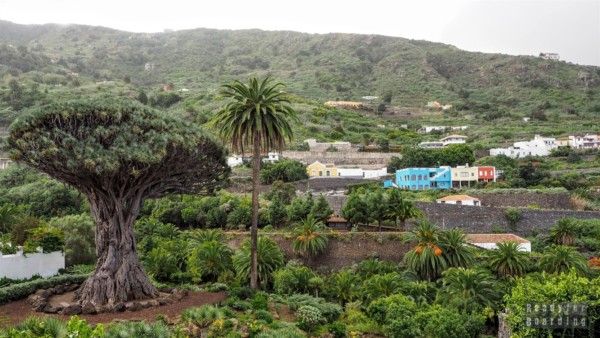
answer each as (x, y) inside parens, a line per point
(322, 184)
(543, 200)
(341, 157)
(490, 219)
(483, 219)
(343, 249)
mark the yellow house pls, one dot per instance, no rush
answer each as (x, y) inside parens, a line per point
(318, 169)
(464, 176)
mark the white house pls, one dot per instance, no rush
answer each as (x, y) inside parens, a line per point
(235, 160)
(587, 141)
(357, 172)
(19, 266)
(5, 162)
(490, 241)
(448, 140)
(539, 146)
(460, 200)
(454, 139)
(429, 129)
(431, 145)
(375, 173)
(550, 56)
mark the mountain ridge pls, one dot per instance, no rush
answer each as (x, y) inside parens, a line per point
(403, 72)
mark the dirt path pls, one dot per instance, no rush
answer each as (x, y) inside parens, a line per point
(14, 312)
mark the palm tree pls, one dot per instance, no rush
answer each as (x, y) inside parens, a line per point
(344, 286)
(401, 209)
(564, 231)
(269, 259)
(257, 116)
(209, 259)
(308, 238)
(560, 258)
(426, 258)
(507, 260)
(456, 250)
(467, 287)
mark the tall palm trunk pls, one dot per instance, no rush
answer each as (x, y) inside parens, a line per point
(254, 226)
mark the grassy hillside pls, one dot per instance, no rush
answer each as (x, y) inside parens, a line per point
(490, 92)
(345, 66)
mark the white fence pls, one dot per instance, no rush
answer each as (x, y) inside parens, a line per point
(19, 266)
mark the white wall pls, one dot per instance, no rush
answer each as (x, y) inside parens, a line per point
(465, 202)
(375, 173)
(350, 172)
(233, 161)
(19, 266)
(492, 246)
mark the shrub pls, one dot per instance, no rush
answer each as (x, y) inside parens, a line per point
(285, 170)
(39, 327)
(292, 279)
(202, 316)
(337, 329)
(264, 315)
(260, 301)
(309, 317)
(138, 329)
(22, 290)
(330, 311)
(49, 238)
(513, 216)
(269, 255)
(161, 264)
(385, 310)
(80, 328)
(208, 260)
(308, 237)
(80, 246)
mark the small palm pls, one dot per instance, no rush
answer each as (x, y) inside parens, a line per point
(308, 237)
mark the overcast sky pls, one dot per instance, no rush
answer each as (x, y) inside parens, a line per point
(568, 27)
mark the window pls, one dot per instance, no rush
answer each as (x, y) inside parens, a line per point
(327, 173)
(320, 173)
(413, 177)
(419, 177)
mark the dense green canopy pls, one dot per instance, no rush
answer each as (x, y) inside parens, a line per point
(117, 146)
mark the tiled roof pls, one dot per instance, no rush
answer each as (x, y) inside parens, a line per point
(495, 238)
(457, 198)
(336, 219)
(454, 136)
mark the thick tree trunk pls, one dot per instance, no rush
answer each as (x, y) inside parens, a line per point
(254, 227)
(119, 276)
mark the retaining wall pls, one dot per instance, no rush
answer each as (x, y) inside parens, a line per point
(490, 219)
(482, 219)
(543, 200)
(340, 157)
(19, 266)
(343, 249)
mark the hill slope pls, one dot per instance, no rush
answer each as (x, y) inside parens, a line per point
(323, 67)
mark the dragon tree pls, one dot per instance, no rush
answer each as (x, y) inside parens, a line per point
(118, 153)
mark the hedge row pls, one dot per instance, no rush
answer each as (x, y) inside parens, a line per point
(22, 290)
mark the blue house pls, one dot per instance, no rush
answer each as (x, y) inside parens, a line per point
(422, 178)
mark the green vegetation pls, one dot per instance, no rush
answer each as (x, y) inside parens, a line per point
(442, 288)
